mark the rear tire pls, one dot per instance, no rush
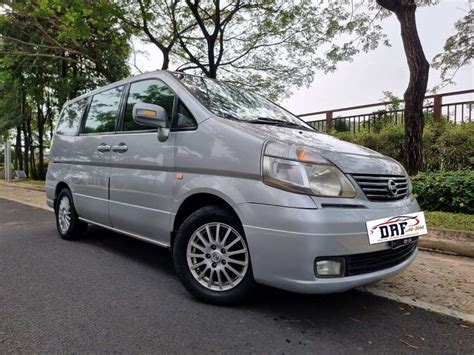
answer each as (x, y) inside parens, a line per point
(211, 257)
(67, 221)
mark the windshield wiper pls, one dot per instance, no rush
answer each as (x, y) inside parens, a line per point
(280, 123)
(266, 120)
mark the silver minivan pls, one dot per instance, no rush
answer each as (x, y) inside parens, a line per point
(240, 190)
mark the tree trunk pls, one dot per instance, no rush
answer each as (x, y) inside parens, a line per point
(34, 175)
(18, 155)
(213, 71)
(25, 118)
(40, 126)
(26, 152)
(415, 93)
(63, 91)
(32, 149)
(166, 60)
(74, 84)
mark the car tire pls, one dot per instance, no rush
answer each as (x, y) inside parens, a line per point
(67, 221)
(209, 271)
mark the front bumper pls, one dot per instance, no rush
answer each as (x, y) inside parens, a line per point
(284, 243)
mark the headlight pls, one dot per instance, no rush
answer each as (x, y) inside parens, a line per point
(299, 169)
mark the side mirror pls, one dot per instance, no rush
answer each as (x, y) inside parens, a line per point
(150, 115)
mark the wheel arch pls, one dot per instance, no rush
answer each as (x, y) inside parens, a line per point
(59, 187)
(194, 202)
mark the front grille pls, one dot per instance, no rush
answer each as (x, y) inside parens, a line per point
(383, 187)
(359, 264)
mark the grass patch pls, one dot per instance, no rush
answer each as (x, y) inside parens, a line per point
(36, 183)
(459, 221)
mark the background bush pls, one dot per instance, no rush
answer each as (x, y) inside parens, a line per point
(445, 146)
(449, 191)
(448, 146)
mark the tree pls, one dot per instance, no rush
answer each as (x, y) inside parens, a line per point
(416, 90)
(52, 51)
(265, 45)
(458, 50)
(81, 32)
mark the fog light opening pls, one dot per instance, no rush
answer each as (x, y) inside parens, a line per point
(329, 267)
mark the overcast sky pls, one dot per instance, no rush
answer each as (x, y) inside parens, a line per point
(365, 78)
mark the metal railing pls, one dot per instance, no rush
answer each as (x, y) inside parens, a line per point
(353, 120)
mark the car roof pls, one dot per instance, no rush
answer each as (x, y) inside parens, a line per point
(151, 74)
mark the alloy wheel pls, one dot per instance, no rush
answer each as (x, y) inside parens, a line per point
(217, 256)
(64, 214)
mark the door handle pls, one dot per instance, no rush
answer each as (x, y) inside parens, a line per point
(120, 148)
(103, 148)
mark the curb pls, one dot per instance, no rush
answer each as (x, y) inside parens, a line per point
(452, 233)
(46, 208)
(448, 241)
(466, 317)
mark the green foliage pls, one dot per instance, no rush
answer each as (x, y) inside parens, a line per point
(446, 146)
(448, 191)
(458, 50)
(10, 114)
(268, 46)
(52, 51)
(395, 102)
(78, 31)
(340, 125)
(448, 220)
(388, 140)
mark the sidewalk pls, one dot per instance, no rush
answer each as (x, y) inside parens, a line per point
(30, 195)
(438, 282)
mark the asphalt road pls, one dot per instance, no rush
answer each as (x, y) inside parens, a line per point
(110, 293)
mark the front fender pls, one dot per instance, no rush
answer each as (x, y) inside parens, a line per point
(234, 191)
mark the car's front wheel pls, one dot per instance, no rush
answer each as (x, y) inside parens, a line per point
(211, 256)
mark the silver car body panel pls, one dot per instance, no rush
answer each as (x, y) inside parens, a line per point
(141, 185)
(137, 192)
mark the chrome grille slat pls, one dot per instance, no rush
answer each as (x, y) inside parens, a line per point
(375, 187)
(379, 177)
(368, 189)
(368, 184)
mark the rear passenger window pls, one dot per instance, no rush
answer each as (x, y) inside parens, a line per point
(150, 92)
(70, 119)
(103, 111)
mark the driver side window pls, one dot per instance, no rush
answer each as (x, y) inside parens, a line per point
(151, 91)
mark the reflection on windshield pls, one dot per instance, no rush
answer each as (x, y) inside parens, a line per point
(228, 101)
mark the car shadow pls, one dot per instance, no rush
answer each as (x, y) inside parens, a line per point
(286, 304)
(361, 317)
(148, 254)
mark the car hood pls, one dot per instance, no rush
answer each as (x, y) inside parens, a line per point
(350, 158)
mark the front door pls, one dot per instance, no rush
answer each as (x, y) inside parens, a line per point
(142, 168)
(92, 151)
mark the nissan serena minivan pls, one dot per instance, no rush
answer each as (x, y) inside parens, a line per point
(240, 190)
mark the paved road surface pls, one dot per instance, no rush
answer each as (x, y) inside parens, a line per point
(111, 293)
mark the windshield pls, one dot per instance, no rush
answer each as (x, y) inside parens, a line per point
(228, 101)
